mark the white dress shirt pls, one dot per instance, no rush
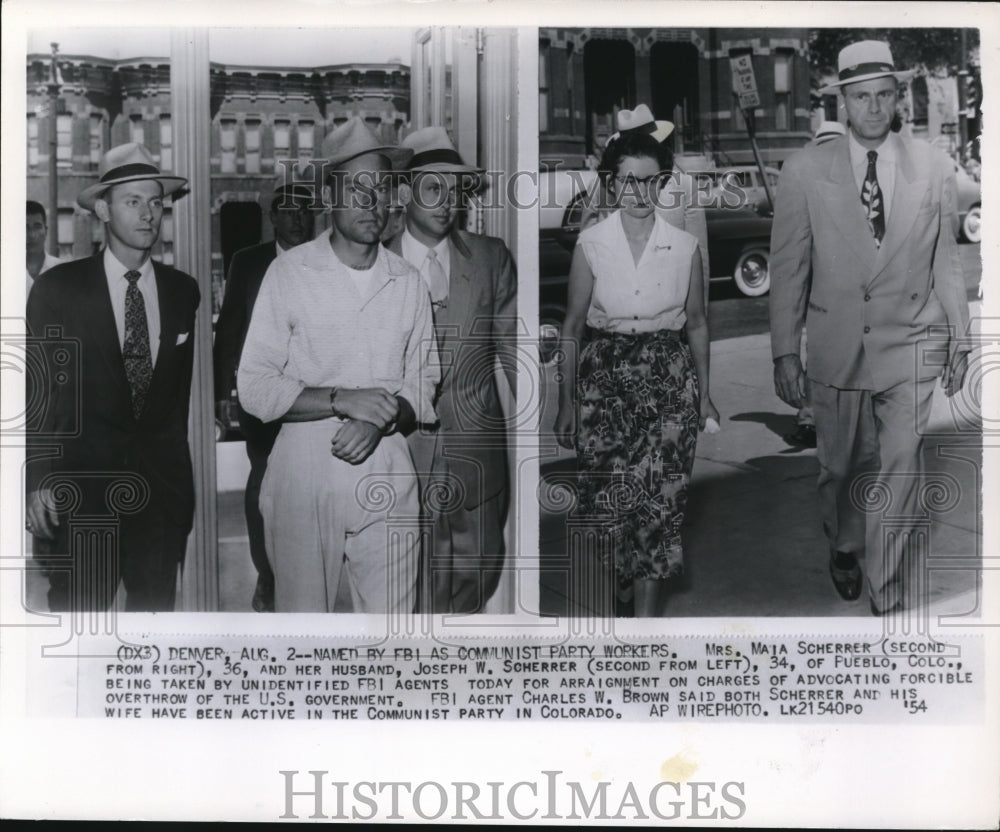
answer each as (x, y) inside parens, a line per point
(47, 264)
(885, 168)
(415, 253)
(118, 286)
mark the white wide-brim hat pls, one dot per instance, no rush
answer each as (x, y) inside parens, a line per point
(432, 150)
(864, 61)
(829, 130)
(130, 162)
(640, 120)
(354, 138)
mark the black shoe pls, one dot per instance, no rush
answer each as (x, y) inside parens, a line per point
(263, 596)
(804, 436)
(847, 580)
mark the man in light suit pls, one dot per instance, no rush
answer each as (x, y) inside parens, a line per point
(293, 219)
(119, 413)
(870, 215)
(462, 461)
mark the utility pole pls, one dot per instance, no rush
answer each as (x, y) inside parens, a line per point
(54, 88)
(963, 120)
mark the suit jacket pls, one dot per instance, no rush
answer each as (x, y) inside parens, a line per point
(477, 326)
(872, 312)
(83, 397)
(246, 273)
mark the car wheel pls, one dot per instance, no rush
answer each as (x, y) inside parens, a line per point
(753, 272)
(972, 225)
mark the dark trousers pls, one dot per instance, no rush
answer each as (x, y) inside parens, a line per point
(258, 453)
(86, 562)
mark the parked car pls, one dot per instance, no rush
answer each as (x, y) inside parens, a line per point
(737, 214)
(969, 206)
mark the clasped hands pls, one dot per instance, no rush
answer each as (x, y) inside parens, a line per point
(370, 413)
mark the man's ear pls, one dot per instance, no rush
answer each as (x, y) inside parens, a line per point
(101, 209)
(405, 193)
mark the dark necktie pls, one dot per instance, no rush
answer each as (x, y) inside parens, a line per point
(135, 350)
(873, 201)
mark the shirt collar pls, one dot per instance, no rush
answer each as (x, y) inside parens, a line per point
(114, 268)
(859, 154)
(411, 243)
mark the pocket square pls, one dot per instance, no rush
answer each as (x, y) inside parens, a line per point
(182, 338)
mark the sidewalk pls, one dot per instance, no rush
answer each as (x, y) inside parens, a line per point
(753, 542)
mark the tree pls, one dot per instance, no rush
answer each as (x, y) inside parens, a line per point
(930, 50)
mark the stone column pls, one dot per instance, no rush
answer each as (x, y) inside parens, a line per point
(189, 92)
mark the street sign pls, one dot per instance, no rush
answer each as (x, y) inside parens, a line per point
(744, 81)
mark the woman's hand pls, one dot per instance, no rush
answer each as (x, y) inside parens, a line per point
(708, 411)
(565, 427)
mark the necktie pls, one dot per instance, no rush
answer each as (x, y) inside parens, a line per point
(135, 350)
(872, 200)
(437, 280)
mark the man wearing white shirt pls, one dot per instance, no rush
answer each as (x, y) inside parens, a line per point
(293, 217)
(36, 231)
(462, 460)
(114, 333)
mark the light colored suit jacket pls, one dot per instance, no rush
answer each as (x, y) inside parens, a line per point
(477, 326)
(876, 316)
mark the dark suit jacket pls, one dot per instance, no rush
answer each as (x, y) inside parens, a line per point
(83, 400)
(478, 325)
(246, 273)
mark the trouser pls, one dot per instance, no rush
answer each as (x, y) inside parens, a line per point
(251, 507)
(869, 446)
(322, 514)
(85, 564)
(463, 568)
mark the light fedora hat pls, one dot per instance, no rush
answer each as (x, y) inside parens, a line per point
(640, 120)
(354, 138)
(433, 150)
(129, 162)
(864, 61)
(829, 130)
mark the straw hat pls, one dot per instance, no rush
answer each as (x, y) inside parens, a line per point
(433, 150)
(129, 162)
(829, 130)
(864, 61)
(640, 120)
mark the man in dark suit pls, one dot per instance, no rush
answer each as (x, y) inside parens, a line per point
(863, 252)
(119, 413)
(462, 461)
(293, 218)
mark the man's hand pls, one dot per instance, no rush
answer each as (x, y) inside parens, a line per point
(953, 373)
(370, 404)
(355, 441)
(789, 380)
(565, 427)
(41, 518)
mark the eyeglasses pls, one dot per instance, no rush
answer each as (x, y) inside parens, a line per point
(631, 181)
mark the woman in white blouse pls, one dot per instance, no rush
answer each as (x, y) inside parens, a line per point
(635, 395)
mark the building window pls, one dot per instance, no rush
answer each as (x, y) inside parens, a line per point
(307, 131)
(65, 232)
(543, 87)
(167, 237)
(783, 90)
(32, 139)
(96, 139)
(282, 140)
(64, 140)
(253, 145)
(138, 130)
(227, 136)
(918, 90)
(166, 143)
